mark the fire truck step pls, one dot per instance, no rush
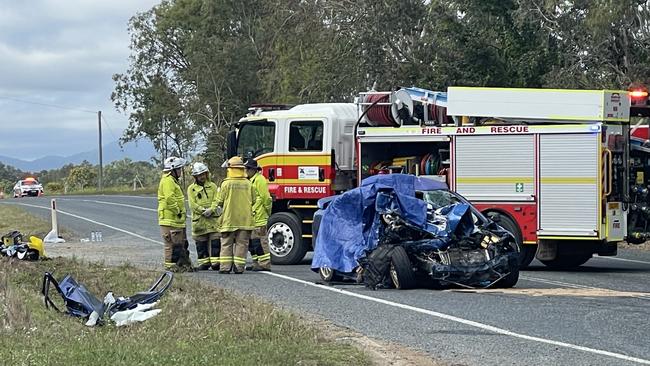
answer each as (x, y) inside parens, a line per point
(307, 221)
(303, 206)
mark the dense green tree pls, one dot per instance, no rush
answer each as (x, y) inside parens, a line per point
(601, 43)
(82, 176)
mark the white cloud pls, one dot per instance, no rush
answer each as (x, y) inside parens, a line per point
(62, 52)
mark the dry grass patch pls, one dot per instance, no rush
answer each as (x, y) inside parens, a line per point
(199, 324)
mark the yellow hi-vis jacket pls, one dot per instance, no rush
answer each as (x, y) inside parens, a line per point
(236, 196)
(171, 202)
(263, 203)
(200, 198)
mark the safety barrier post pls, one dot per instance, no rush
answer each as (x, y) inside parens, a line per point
(53, 235)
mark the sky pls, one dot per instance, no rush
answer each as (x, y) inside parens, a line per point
(63, 53)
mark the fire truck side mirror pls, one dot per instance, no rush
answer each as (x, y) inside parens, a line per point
(231, 144)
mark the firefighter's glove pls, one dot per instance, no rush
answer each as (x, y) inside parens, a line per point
(208, 213)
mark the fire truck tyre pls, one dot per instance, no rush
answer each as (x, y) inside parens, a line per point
(526, 252)
(327, 274)
(567, 261)
(285, 239)
(401, 270)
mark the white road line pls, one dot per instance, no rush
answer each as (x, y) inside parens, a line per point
(436, 314)
(111, 203)
(96, 223)
(622, 259)
(470, 323)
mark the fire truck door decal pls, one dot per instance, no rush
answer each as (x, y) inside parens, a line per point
(569, 185)
(496, 168)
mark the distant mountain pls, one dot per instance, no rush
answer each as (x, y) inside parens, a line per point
(137, 151)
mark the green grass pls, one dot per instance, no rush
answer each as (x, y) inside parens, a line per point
(14, 218)
(199, 325)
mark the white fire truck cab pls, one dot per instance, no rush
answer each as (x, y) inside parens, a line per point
(551, 166)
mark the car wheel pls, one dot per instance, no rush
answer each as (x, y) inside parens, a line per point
(328, 274)
(401, 270)
(285, 239)
(526, 251)
(509, 280)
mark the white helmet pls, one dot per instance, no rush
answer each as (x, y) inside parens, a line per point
(199, 168)
(172, 163)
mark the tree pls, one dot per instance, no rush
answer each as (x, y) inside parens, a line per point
(601, 44)
(82, 176)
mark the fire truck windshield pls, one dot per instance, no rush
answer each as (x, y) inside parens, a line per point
(255, 139)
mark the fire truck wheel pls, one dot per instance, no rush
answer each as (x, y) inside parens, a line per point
(567, 261)
(285, 238)
(527, 251)
(401, 270)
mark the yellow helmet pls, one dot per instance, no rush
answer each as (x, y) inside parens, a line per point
(236, 162)
(37, 244)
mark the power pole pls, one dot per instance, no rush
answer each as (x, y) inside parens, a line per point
(101, 168)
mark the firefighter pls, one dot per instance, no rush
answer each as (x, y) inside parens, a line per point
(259, 243)
(171, 216)
(202, 197)
(236, 197)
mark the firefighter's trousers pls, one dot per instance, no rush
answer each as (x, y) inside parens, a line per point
(208, 248)
(234, 246)
(177, 255)
(259, 248)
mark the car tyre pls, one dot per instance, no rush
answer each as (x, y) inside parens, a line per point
(401, 270)
(328, 274)
(526, 251)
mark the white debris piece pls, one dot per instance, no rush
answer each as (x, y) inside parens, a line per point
(140, 313)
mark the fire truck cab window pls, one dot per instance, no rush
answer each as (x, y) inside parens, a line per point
(255, 139)
(306, 136)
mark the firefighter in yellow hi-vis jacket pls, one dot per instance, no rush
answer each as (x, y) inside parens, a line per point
(202, 197)
(259, 243)
(236, 197)
(171, 216)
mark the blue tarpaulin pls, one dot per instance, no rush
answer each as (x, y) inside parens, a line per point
(350, 224)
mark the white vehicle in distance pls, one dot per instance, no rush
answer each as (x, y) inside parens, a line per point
(28, 187)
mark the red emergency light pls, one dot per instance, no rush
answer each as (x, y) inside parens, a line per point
(638, 94)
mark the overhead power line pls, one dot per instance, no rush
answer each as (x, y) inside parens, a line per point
(47, 105)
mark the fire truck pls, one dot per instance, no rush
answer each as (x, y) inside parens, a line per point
(551, 166)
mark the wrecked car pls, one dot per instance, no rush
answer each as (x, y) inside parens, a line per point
(404, 231)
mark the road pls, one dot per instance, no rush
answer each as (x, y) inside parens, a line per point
(529, 326)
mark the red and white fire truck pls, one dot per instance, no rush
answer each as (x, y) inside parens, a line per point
(552, 166)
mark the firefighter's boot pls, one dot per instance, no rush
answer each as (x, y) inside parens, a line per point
(203, 255)
(215, 252)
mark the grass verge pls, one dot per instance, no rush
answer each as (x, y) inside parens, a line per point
(15, 218)
(199, 323)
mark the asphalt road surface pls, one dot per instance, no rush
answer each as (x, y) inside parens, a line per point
(531, 325)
